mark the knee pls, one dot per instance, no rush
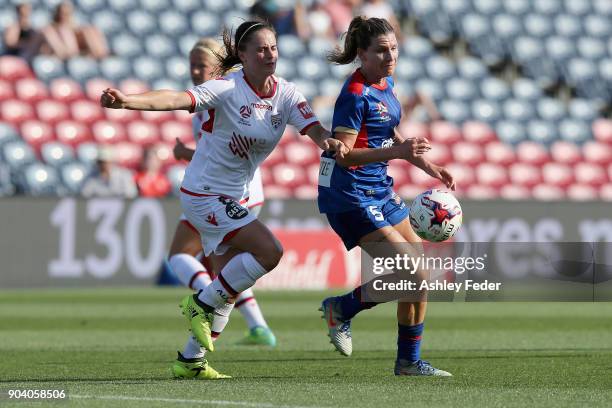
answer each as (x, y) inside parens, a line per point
(270, 255)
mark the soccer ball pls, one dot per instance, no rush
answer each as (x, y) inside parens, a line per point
(435, 215)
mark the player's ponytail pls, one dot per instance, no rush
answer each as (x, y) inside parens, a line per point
(229, 59)
(359, 36)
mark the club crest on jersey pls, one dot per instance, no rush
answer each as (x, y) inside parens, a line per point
(276, 120)
(305, 110)
(383, 112)
(240, 145)
(233, 210)
(245, 115)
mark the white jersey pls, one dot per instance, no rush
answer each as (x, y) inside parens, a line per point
(202, 125)
(245, 128)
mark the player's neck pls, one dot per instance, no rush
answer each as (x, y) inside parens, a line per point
(372, 79)
(262, 85)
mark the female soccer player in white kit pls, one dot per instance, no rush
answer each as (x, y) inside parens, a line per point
(251, 108)
(186, 245)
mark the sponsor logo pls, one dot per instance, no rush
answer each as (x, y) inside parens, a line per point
(240, 145)
(387, 143)
(305, 110)
(245, 112)
(261, 106)
(211, 219)
(233, 210)
(383, 112)
(276, 120)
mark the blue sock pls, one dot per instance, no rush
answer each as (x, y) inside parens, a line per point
(409, 342)
(351, 304)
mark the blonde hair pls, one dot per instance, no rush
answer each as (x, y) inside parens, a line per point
(207, 45)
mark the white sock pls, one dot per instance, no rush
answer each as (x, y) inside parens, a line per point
(193, 349)
(239, 274)
(248, 306)
(222, 315)
(190, 271)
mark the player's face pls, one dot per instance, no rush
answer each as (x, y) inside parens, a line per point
(261, 53)
(379, 59)
(201, 66)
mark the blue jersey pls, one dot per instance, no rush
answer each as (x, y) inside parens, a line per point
(371, 112)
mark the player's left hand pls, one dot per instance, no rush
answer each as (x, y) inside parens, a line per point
(442, 174)
(334, 145)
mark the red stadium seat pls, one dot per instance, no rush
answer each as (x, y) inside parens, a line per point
(514, 192)
(289, 175)
(548, 192)
(289, 136)
(123, 116)
(52, 111)
(312, 174)
(399, 172)
(72, 133)
(523, 174)
(478, 132)
(602, 130)
(499, 153)
(86, 111)
(605, 192)
(277, 156)
(172, 129)
(557, 174)
(31, 90)
(142, 133)
(266, 174)
(565, 152)
(132, 86)
(421, 179)
(597, 152)
(128, 154)
(581, 192)
(6, 90)
(306, 192)
(532, 153)
(441, 132)
(302, 152)
(439, 154)
(106, 132)
(463, 174)
(35, 133)
(408, 192)
(491, 175)
(95, 86)
(467, 153)
(413, 129)
(591, 174)
(16, 112)
(65, 90)
(13, 68)
(480, 192)
(273, 191)
(183, 116)
(159, 117)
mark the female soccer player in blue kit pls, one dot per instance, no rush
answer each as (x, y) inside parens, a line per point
(356, 193)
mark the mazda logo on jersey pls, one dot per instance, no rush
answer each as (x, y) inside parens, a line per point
(240, 145)
(245, 111)
(305, 110)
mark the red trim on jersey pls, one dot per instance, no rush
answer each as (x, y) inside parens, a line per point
(214, 334)
(358, 81)
(226, 285)
(361, 142)
(190, 225)
(194, 277)
(191, 193)
(303, 131)
(243, 301)
(193, 101)
(270, 95)
(208, 125)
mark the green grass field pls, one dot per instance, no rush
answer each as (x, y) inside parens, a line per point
(114, 347)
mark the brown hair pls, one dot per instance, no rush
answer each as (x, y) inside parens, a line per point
(359, 35)
(241, 37)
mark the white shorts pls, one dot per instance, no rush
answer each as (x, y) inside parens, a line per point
(216, 218)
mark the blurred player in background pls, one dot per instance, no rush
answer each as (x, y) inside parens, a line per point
(186, 244)
(355, 191)
(251, 110)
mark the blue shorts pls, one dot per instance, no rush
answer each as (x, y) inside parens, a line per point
(353, 225)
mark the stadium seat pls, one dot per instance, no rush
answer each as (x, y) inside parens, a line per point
(578, 71)
(510, 132)
(30, 90)
(52, 111)
(454, 111)
(440, 131)
(56, 154)
(436, 26)
(409, 191)
(128, 154)
(538, 26)
(541, 131)
(526, 175)
(494, 89)
(514, 192)
(472, 68)
(320, 47)
(551, 109)
(478, 132)
(455, 8)
(440, 68)
(491, 175)
(557, 174)
(409, 69)
(173, 22)
(302, 153)
(331, 88)
(581, 192)
(36, 132)
(288, 175)
(397, 170)
(308, 88)
(177, 68)
(87, 111)
(171, 129)
(548, 192)
(38, 179)
(419, 178)
(159, 47)
(109, 22)
(131, 85)
(7, 188)
(577, 8)
(15, 112)
(95, 86)
(575, 131)
(106, 132)
(13, 68)
(175, 174)
(72, 133)
(605, 192)
(126, 45)
(277, 156)
(463, 174)
(518, 110)
(275, 192)
(115, 69)
(592, 49)
(6, 90)
(292, 47)
(486, 111)
(565, 152)
(440, 154)
(73, 175)
(65, 90)
(165, 83)
(499, 153)
(148, 68)
(532, 153)
(90, 6)
(597, 152)
(8, 133)
(204, 23)
(87, 153)
(431, 88)
(286, 69)
(306, 192)
(17, 154)
(164, 153)
(48, 67)
(141, 22)
(312, 174)
(461, 89)
(602, 130)
(467, 153)
(481, 192)
(583, 109)
(598, 26)
(591, 174)
(82, 69)
(417, 47)
(123, 116)
(506, 26)
(142, 133)
(312, 69)
(526, 89)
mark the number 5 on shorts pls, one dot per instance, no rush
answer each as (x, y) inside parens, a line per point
(378, 216)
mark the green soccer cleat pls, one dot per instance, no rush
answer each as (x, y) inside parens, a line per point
(200, 318)
(196, 368)
(259, 336)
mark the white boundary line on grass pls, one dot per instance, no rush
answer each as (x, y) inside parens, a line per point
(190, 401)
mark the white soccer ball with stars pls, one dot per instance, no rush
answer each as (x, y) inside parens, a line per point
(435, 215)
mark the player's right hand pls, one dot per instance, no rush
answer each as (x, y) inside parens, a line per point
(179, 149)
(414, 147)
(113, 98)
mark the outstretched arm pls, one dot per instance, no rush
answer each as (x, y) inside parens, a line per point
(323, 138)
(163, 100)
